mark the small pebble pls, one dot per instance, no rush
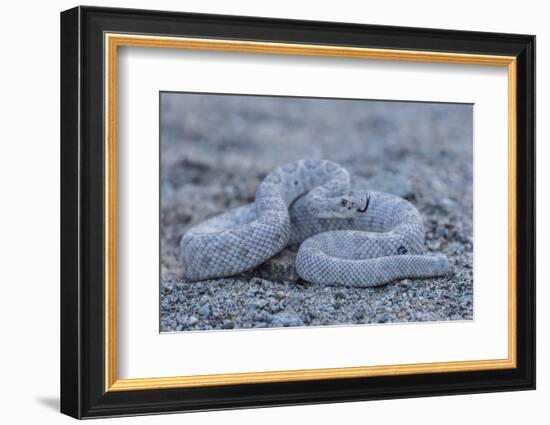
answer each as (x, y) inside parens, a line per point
(228, 324)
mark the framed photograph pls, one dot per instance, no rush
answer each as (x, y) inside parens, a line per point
(261, 212)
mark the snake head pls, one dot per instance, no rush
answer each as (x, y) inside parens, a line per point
(348, 206)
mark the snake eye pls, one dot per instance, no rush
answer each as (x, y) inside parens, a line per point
(344, 202)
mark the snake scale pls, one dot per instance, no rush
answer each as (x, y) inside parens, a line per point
(349, 237)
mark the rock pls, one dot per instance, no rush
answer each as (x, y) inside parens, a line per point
(228, 324)
(448, 204)
(285, 319)
(204, 310)
(279, 295)
(433, 245)
(339, 295)
(279, 268)
(260, 303)
(466, 299)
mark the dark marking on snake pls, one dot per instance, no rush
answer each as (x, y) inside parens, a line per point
(366, 205)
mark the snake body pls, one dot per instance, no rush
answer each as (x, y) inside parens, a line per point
(347, 237)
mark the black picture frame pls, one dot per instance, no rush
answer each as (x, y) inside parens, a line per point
(83, 392)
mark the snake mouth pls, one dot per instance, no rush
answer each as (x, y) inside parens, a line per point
(366, 205)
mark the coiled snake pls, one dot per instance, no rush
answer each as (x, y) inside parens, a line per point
(348, 237)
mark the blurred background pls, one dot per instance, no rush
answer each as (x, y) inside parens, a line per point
(215, 149)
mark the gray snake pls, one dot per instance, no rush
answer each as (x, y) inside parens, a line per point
(347, 236)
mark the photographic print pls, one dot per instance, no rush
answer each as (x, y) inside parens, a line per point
(291, 211)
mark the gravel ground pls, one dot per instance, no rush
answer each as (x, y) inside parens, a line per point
(216, 149)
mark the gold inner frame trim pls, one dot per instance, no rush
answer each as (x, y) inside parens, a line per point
(113, 41)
